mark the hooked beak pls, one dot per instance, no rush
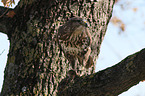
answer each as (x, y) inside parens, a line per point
(85, 23)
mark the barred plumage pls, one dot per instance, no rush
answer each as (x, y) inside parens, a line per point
(75, 41)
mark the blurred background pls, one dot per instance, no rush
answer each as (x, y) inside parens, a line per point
(125, 35)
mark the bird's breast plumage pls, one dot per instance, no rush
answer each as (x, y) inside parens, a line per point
(75, 41)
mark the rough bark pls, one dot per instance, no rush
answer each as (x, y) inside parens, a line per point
(111, 81)
(35, 63)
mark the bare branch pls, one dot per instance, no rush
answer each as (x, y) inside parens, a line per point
(4, 21)
(111, 81)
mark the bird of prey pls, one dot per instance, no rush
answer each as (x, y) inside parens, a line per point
(75, 41)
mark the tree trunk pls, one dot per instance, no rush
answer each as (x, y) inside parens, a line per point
(35, 63)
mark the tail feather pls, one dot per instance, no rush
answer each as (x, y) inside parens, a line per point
(89, 63)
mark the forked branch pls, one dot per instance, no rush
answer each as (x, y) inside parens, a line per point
(111, 81)
(5, 15)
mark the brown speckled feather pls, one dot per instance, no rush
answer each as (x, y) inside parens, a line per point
(75, 41)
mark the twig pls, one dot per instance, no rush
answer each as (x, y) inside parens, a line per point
(2, 52)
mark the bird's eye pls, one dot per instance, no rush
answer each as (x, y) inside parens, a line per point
(78, 20)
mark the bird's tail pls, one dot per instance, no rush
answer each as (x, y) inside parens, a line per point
(89, 63)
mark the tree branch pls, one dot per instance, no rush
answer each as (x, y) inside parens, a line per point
(4, 19)
(111, 81)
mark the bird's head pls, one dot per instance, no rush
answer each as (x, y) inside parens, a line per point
(79, 20)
